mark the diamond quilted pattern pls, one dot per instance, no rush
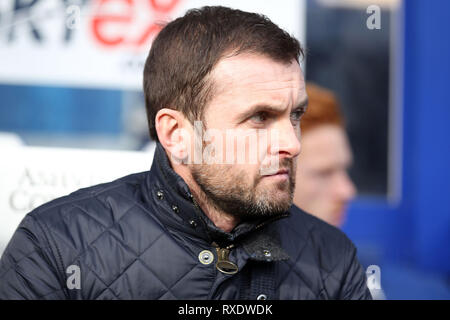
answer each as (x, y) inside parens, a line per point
(145, 284)
(115, 233)
(177, 261)
(131, 228)
(106, 267)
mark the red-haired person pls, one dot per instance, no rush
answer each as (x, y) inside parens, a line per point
(323, 186)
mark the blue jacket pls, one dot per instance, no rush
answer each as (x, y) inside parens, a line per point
(143, 237)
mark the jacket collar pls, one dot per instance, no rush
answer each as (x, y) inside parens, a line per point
(163, 180)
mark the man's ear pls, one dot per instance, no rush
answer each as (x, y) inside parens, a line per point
(171, 128)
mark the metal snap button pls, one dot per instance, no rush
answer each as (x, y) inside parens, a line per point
(175, 208)
(206, 257)
(160, 194)
(262, 297)
(193, 223)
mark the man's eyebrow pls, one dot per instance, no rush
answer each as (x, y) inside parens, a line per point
(270, 108)
(258, 108)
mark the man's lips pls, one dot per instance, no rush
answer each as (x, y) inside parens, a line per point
(282, 173)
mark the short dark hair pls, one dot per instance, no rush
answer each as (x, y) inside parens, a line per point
(187, 49)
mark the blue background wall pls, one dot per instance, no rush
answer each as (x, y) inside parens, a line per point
(416, 231)
(39, 109)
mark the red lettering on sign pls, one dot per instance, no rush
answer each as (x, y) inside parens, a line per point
(157, 10)
(100, 20)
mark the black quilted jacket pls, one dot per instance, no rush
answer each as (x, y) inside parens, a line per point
(143, 237)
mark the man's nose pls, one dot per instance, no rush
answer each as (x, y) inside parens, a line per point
(288, 140)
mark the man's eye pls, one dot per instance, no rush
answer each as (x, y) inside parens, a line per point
(296, 115)
(259, 117)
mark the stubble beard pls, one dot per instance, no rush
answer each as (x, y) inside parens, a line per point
(243, 196)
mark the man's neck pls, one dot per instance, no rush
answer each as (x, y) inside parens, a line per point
(221, 219)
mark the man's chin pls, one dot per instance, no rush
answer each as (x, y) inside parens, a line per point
(276, 187)
(279, 198)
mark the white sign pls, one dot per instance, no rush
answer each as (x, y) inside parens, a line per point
(102, 43)
(31, 176)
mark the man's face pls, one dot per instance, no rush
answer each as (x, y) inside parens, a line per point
(324, 187)
(262, 99)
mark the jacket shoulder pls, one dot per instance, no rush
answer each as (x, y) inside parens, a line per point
(33, 265)
(325, 237)
(75, 221)
(332, 254)
(94, 201)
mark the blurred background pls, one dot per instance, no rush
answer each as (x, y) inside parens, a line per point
(72, 112)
